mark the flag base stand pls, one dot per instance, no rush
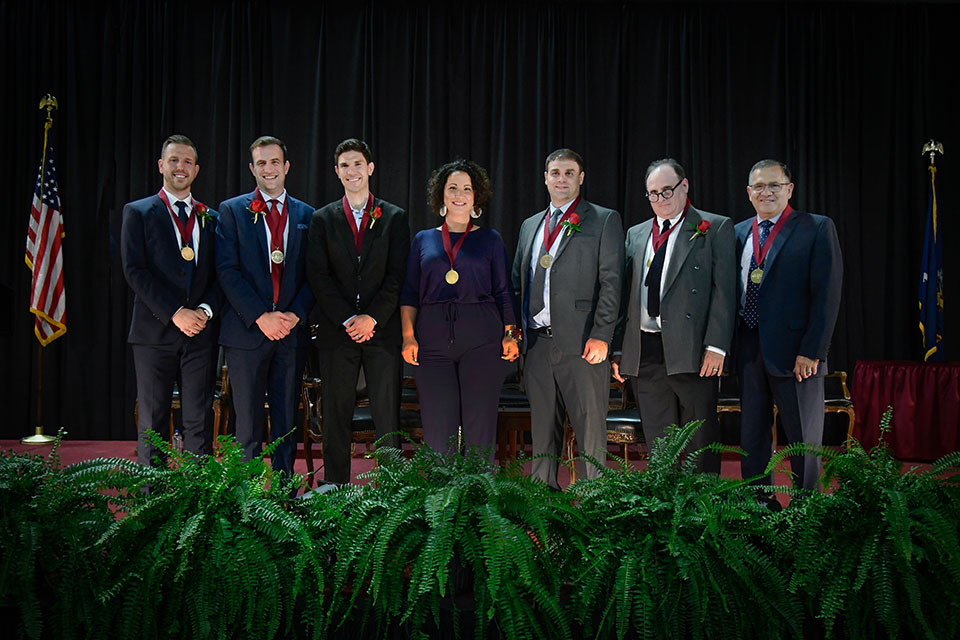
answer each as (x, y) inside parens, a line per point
(38, 438)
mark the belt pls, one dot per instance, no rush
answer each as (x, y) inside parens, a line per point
(543, 332)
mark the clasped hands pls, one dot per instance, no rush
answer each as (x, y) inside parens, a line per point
(360, 328)
(277, 325)
(190, 321)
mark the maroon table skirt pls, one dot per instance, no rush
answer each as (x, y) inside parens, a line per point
(926, 406)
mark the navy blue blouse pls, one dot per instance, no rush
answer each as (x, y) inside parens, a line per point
(481, 262)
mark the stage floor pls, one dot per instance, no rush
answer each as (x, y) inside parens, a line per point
(72, 451)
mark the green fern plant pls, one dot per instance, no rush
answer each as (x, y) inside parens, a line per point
(50, 517)
(881, 550)
(210, 552)
(675, 554)
(437, 525)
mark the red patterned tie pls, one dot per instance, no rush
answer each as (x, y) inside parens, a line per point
(276, 243)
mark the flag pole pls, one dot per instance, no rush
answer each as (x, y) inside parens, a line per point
(49, 103)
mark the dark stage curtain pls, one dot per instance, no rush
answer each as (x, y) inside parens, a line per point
(846, 93)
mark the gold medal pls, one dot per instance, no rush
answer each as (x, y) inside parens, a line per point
(277, 257)
(452, 276)
(546, 261)
(756, 275)
(187, 253)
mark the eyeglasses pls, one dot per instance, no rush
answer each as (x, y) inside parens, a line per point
(666, 194)
(773, 186)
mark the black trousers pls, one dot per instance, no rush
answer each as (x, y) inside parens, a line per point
(665, 399)
(339, 371)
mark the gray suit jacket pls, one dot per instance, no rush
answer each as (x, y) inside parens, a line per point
(697, 305)
(584, 279)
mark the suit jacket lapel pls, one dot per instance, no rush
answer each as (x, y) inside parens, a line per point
(293, 244)
(585, 211)
(368, 236)
(528, 243)
(682, 246)
(166, 226)
(257, 226)
(780, 240)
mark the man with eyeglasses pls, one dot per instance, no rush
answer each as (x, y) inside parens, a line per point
(789, 286)
(676, 327)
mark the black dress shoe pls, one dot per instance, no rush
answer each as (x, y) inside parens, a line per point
(769, 500)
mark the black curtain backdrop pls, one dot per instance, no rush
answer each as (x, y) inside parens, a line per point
(846, 93)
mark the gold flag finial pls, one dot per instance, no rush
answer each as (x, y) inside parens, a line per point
(49, 102)
(933, 148)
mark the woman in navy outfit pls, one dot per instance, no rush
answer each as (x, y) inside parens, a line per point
(457, 312)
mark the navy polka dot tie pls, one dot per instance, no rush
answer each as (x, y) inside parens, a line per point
(750, 312)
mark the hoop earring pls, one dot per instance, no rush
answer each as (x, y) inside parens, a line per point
(443, 211)
(475, 213)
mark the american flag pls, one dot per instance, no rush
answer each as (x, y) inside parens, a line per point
(48, 298)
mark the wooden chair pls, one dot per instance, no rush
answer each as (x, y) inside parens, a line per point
(836, 399)
(513, 415)
(623, 426)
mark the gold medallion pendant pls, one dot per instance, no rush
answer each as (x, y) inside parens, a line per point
(277, 257)
(546, 261)
(187, 253)
(452, 276)
(756, 275)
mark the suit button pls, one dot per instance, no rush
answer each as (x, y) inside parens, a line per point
(696, 267)
(689, 316)
(693, 291)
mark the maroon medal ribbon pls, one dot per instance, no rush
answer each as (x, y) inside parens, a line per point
(276, 229)
(358, 234)
(660, 238)
(548, 236)
(452, 251)
(186, 230)
(760, 253)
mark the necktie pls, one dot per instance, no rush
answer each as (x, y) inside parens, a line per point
(653, 276)
(751, 314)
(276, 242)
(539, 273)
(187, 241)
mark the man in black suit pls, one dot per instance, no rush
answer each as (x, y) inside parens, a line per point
(167, 247)
(791, 274)
(677, 323)
(261, 253)
(566, 273)
(356, 261)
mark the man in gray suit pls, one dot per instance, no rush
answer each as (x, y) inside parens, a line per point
(566, 274)
(676, 328)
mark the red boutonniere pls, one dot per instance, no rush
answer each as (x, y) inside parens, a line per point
(572, 223)
(375, 215)
(203, 212)
(701, 229)
(258, 208)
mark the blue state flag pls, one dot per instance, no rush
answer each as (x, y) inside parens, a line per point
(931, 282)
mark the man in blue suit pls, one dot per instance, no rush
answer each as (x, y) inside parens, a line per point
(791, 274)
(261, 251)
(167, 244)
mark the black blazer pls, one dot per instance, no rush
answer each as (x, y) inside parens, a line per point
(157, 273)
(337, 276)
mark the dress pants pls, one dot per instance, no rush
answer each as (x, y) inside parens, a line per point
(194, 367)
(339, 371)
(460, 373)
(800, 405)
(664, 400)
(550, 376)
(273, 372)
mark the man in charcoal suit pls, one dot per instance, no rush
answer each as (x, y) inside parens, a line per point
(676, 327)
(261, 254)
(167, 244)
(356, 260)
(566, 274)
(789, 286)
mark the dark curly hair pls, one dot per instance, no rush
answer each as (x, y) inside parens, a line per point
(478, 177)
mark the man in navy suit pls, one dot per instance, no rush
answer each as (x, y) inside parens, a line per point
(167, 244)
(261, 252)
(356, 264)
(791, 273)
